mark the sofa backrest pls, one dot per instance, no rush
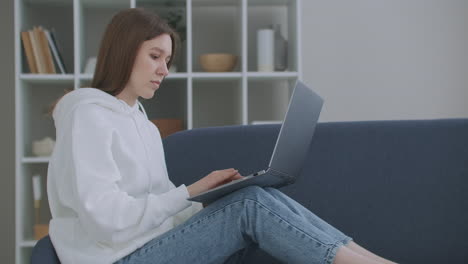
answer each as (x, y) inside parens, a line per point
(399, 188)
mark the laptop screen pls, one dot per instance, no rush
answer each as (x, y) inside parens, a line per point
(295, 136)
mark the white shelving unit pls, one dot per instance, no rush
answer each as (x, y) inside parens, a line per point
(199, 98)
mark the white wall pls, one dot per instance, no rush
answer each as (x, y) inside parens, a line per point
(387, 59)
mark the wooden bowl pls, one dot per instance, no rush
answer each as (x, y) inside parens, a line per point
(218, 62)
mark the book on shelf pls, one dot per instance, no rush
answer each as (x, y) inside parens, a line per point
(42, 53)
(28, 50)
(35, 43)
(56, 50)
(49, 63)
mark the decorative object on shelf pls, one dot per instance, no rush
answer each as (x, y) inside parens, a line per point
(90, 65)
(43, 147)
(218, 62)
(265, 50)
(281, 49)
(40, 230)
(168, 126)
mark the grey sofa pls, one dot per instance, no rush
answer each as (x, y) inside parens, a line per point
(399, 188)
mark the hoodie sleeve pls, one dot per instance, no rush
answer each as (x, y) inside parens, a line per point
(109, 214)
(195, 207)
(184, 215)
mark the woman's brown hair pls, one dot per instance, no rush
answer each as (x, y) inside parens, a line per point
(122, 39)
(119, 46)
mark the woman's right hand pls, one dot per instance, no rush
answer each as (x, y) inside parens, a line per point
(212, 180)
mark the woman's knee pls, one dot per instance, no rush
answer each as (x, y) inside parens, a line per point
(253, 192)
(276, 193)
(273, 190)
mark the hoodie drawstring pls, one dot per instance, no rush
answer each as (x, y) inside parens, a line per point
(143, 109)
(142, 138)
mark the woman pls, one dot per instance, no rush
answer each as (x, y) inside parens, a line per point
(109, 192)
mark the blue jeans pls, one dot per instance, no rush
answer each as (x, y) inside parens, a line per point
(251, 217)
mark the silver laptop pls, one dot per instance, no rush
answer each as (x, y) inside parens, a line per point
(290, 152)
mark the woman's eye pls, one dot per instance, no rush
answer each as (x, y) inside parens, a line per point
(154, 57)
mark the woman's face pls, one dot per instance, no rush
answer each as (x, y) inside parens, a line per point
(149, 69)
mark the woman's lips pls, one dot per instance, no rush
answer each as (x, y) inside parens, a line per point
(156, 83)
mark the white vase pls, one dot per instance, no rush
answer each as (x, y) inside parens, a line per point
(265, 50)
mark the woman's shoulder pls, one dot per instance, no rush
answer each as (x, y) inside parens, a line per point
(90, 109)
(91, 113)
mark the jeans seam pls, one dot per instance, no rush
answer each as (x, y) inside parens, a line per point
(297, 228)
(331, 250)
(346, 240)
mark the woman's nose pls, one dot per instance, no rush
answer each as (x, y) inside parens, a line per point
(162, 70)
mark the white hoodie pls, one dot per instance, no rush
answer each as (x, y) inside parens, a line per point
(108, 187)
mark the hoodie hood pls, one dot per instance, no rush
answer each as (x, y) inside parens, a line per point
(71, 100)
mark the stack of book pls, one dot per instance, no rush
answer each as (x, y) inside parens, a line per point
(42, 53)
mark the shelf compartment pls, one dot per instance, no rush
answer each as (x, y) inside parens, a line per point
(27, 202)
(93, 20)
(217, 103)
(36, 101)
(263, 14)
(224, 23)
(52, 15)
(268, 100)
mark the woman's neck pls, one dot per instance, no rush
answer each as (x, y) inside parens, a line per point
(129, 99)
